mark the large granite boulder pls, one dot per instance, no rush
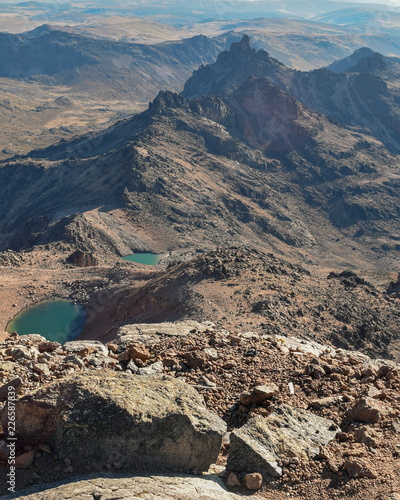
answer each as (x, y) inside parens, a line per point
(139, 423)
(289, 432)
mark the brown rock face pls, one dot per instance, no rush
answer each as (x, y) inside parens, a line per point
(270, 119)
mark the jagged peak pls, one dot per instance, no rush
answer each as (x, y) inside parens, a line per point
(166, 99)
(362, 59)
(244, 44)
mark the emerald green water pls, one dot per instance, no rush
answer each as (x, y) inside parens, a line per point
(149, 259)
(57, 320)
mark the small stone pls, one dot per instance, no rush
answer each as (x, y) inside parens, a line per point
(25, 460)
(95, 361)
(48, 346)
(357, 468)
(253, 481)
(258, 394)
(383, 371)
(69, 469)
(396, 427)
(232, 480)
(45, 448)
(86, 351)
(7, 366)
(342, 437)
(169, 362)
(195, 360)
(366, 436)
(325, 402)
(22, 352)
(211, 353)
(41, 368)
(366, 410)
(74, 360)
(368, 371)
(335, 465)
(315, 371)
(112, 347)
(135, 352)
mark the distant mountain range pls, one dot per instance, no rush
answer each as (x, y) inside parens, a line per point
(53, 55)
(178, 11)
(237, 158)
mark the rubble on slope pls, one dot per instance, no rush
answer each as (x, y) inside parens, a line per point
(357, 394)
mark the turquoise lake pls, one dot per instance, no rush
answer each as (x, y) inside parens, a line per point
(57, 320)
(149, 259)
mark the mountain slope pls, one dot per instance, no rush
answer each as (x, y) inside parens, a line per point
(255, 166)
(93, 64)
(232, 68)
(246, 289)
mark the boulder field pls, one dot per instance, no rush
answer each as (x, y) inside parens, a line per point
(178, 410)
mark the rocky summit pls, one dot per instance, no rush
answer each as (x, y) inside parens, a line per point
(218, 233)
(297, 414)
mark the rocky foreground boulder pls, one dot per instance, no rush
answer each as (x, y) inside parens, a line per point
(132, 422)
(243, 377)
(162, 487)
(263, 442)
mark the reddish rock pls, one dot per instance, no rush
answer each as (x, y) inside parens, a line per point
(232, 480)
(366, 436)
(253, 481)
(48, 346)
(135, 352)
(112, 347)
(258, 394)
(315, 371)
(24, 461)
(357, 468)
(367, 410)
(195, 360)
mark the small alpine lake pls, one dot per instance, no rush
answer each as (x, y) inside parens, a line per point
(56, 320)
(148, 259)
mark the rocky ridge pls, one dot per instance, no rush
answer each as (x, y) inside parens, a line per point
(255, 166)
(58, 55)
